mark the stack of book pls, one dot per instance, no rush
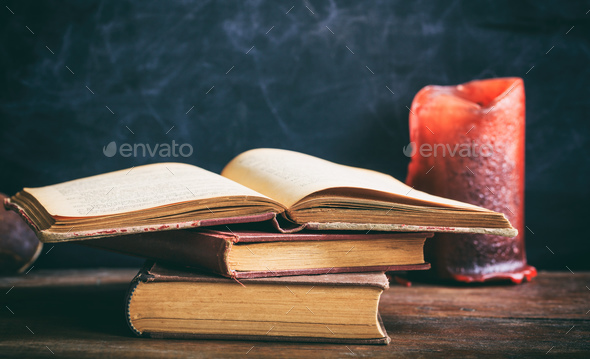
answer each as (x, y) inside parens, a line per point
(280, 246)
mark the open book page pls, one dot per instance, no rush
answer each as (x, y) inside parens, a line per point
(135, 189)
(288, 177)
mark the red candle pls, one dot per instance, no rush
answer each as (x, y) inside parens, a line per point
(469, 146)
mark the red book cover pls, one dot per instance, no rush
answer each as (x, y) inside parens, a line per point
(209, 249)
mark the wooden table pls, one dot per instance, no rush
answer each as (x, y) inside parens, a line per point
(79, 313)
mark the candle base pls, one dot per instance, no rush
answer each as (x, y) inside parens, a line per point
(477, 258)
(525, 274)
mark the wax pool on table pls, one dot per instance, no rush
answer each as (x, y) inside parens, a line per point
(469, 141)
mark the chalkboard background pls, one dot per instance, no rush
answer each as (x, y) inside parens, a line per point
(225, 77)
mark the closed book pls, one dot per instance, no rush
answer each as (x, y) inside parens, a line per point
(167, 302)
(243, 253)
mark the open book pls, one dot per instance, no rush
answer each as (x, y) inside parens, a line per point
(257, 185)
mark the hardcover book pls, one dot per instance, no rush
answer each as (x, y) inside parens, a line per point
(257, 185)
(164, 302)
(241, 253)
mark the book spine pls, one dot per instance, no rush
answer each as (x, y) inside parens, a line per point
(185, 248)
(141, 276)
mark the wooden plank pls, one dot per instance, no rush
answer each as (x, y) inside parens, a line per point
(69, 277)
(550, 295)
(412, 337)
(87, 321)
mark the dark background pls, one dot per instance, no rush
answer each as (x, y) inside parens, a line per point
(298, 88)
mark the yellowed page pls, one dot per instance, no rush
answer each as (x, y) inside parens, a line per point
(287, 177)
(135, 189)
